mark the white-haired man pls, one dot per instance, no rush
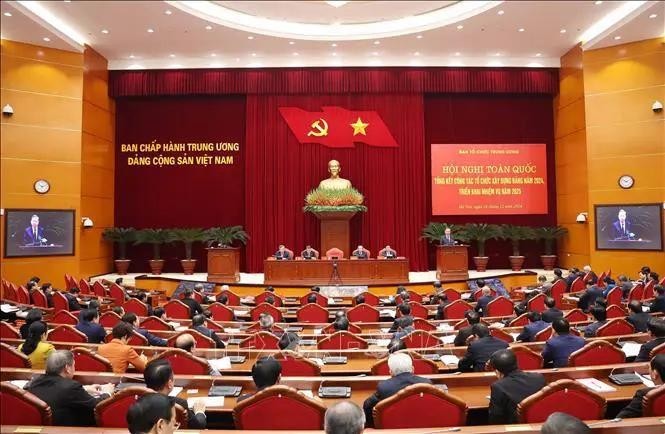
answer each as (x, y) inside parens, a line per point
(401, 376)
(344, 418)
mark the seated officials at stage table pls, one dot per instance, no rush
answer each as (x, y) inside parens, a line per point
(72, 404)
(466, 332)
(187, 343)
(561, 345)
(638, 318)
(536, 324)
(512, 386)
(265, 373)
(35, 345)
(158, 376)
(89, 326)
(551, 313)
(657, 373)
(194, 306)
(600, 315)
(153, 414)
(282, 253)
(388, 253)
(480, 349)
(447, 238)
(344, 418)
(656, 328)
(309, 253)
(198, 324)
(119, 353)
(360, 252)
(131, 319)
(401, 373)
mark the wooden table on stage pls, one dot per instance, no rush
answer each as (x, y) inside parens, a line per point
(319, 272)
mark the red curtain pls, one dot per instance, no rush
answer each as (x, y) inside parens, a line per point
(289, 81)
(279, 173)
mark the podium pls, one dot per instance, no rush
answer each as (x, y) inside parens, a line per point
(335, 230)
(223, 264)
(452, 263)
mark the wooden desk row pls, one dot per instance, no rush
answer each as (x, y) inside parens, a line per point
(323, 272)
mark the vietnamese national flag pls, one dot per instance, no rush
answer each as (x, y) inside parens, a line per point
(337, 127)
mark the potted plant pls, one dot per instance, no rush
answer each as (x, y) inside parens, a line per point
(515, 234)
(550, 234)
(225, 236)
(435, 230)
(120, 237)
(480, 233)
(189, 236)
(156, 237)
(223, 258)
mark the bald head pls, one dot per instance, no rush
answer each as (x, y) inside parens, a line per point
(185, 342)
(344, 418)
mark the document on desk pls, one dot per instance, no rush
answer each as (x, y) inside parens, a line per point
(231, 330)
(514, 335)
(449, 359)
(174, 324)
(181, 328)
(211, 401)
(19, 383)
(382, 342)
(570, 297)
(466, 296)
(630, 348)
(445, 327)
(240, 312)
(385, 330)
(176, 390)
(387, 312)
(646, 380)
(497, 325)
(6, 308)
(307, 393)
(596, 385)
(448, 339)
(220, 364)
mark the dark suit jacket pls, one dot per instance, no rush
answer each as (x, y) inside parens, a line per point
(531, 330)
(153, 340)
(359, 254)
(29, 236)
(447, 242)
(634, 408)
(93, 331)
(559, 347)
(509, 391)
(639, 321)
(70, 403)
(481, 305)
(205, 331)
(591, 330)
(396, 324)
(618, 233)
(462, 335)
(282, 255)
(658, 304)
(194, 420)
(308, 254)
(194, 306)
(73, 302)
(479, 352)
(588, 298)
(551, 314)
(388, 388)
(645, 349)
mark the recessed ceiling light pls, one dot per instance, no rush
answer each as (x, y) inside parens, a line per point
(501, 12)
(131, 56)
(377, 42)
(521, 29)
(213, 55)
(104, 31)
(291, 42)
(7, 14)
(168, 12)
(419, 37)
(135, 66)
(598, 2)
(416, 53)
(295, 54)
(497, 54)
(171, 56)
(375, 53)
(494, 63)
(253, 54)
(333, 54)
(208, 27)
(458, 53)
(534, 65)
(250, 37)
(46, 39)
(333, 44)
(562, 31)
(336, 3)
(151, 31)
(653, 15)
(538, 54)
(616, 38)
(460, 27)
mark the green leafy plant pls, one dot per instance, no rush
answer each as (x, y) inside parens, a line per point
(324, 199)
(516, 234)
(550, 234)
(121, 237)
(225, 236)
(480, 233)
(156, 237)
(435, 230)
(189, 236)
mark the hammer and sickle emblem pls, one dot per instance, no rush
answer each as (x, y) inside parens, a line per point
(320, 130)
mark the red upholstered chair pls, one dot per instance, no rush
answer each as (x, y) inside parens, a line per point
(526, 359)
(116, 292)
(421, 339)
(266, 410)
(363, 313)
(312, 313)
(537, 303)
(576, 315)
(257, 327)
(320, 299)
(135, 306)
(100, 291)
(70, 282)
(342, 340)
(109, 319)
(478, 294)
(66, 333)
(425, 405)
(184, 363)
(176, 309)
(500, 334)
(648, 290)
(23, 295)
(653, 403)
(334, 253)
(20, 407)
(414, 296)
(330, 329)
(543, 335)
(461, 324)
(271, 310)
(195, 295)
(452, 294)
(260, 341)
(153, 323)
(137, 340)
(557, 291)
(234, 299)
(662, 281)
(60, 302)
(566, 396)
(660, 349)
(65, 317)
(10, 357)
(417, 310)
(84, 286)
(39, 299)
(201, 341)
(10, 292)
(261, 298)
(112, 412)
(615, 311)
(422, 324)
(8, 331)
(598, 352)
(456, 309)
(370, 298)
(220, 312)
(577, 285)
(500, 306)
(637, 293)
(421, 366)
(520, 321)
(214, 326)
(615, 327)
(614, 296)
(295, 365)
(87, 360)
(601, 278)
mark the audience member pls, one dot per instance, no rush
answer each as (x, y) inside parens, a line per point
(187, 343)
(47, 289)
(480, 285)
(552, 312)
(153, 414)
(93, 304)
(543, 285)
(638, 318)
(656, 328)
(401, 376)
(194, 306)
(464, 333)
(512, 386)
(441, 301)
(89, 326)
(360, 299)
(119, 310)
(344, 418)
(72, 299)
(119, 353)
(600, 315)
(404, 327)
(588, 297)
(536, 324)
(561, 345)
(131, 319)
(405, 310)
(341, 324)
(625, 285)
(35, 345)
(32, 316)
(198, 324)
(483, 301)
(72, 404)
(558, 275)
(657, 373)
(143, 298)
(289, 341)
(159, 312)
(311, 298)
(658, 304)
(572, 275)
(480, 349)
(265, 373)
(562, 423)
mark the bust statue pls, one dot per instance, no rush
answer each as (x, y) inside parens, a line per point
(334, 182)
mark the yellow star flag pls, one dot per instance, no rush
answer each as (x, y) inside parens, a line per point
(359, 127)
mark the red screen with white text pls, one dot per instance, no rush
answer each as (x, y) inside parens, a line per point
(470, 179)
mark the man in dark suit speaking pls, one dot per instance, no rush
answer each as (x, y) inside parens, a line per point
(34, 234)
(622, 227)
(447, 238)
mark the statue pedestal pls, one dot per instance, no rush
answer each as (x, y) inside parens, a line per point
(335, 230)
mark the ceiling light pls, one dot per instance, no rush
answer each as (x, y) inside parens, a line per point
(610, 20)
(175, 65)
(458, 53)
(419, 37)
(375, 53)
(333, 45)
(460, 27)
(46, 39)
(168, 12)
(598, 2)
(213, 55)
(104, 31)
(562, 31)
(616, 38)
(333, 54)
(131, 56)
(337, 4)
(135, 66)
(295, 54)
(521, 29)
(497, 54)
(253, 54)
(151, 31)
(534, 65)
(494, 63)
(653, 15)
(250, 37)
(538, 54)
(291, 42)
(208, 27)
(62, 29)
(7, 14)
(377, 42)
(416, 53)
(171, 56)
(501, 12)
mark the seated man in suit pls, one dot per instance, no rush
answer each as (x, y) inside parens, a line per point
(441, 301)
(464, 333)
(656, 328)
(344, 418)
(265, 373)
(536, 324)
(658, 304)
(158, 376)
(360, 252)
(600, 315)
(119, 353)
(543, 285)
(447, 238)
(267, 324)
(405, 310)
(153, 413)
(481, 305)
(198, 324)
(401, 373)
(194, 306)
(480, 349)
(72, 404)
(562, 423)
(404, 327)
(282, 253)
(657, 373)
(625, 285)
(588, 296)
(388, 253)
(309, 253)
(551, 313)
(89, 326)
(511, 387)
(143, 298)
(561, 345)
(188, 343)
(638, 318)
(341, 324)
(131, 319)
(572, 275)
(289, 341)
(72, 299)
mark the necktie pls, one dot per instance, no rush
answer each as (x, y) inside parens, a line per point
(36, 234)
(623, 228)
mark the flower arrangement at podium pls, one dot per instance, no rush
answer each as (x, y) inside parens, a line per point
(334, 194)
